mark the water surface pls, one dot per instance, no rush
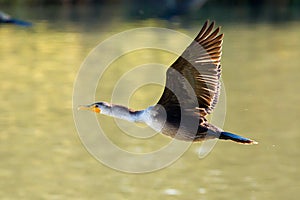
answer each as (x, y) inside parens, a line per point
(42, 156)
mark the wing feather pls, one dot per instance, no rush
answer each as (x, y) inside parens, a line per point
(199, 66)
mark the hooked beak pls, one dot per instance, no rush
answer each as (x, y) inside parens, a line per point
(92, 108)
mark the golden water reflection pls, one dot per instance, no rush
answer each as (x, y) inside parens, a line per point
(42, 156)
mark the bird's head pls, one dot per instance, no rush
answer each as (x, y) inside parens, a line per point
(98, 107)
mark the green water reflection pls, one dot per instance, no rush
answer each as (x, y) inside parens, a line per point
(43, 158)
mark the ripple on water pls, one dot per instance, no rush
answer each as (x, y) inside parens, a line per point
(172, 191)
(202, 190)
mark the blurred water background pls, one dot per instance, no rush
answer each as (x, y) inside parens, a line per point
(41, 154)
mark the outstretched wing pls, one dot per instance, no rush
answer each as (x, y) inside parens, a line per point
(198, 66)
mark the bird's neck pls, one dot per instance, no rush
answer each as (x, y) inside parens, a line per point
(149, 116)
(121, 112)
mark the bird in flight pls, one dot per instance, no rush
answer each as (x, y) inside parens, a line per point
(6, 19)
(191, 93)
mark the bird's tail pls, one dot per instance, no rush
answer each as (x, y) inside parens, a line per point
(236, 138)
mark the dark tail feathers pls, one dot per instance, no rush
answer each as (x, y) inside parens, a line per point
(236, 138)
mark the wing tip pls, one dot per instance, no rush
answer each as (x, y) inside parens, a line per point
(207, 30)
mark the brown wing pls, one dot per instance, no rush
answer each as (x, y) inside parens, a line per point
(195, 75)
